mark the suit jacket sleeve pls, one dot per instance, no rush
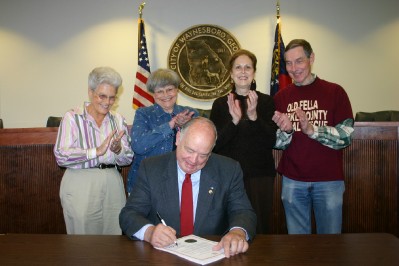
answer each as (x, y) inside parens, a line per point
(134, 215)
(240, 211)
(155, 189)
(222, 201)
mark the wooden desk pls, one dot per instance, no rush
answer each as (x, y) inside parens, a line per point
(345, 249)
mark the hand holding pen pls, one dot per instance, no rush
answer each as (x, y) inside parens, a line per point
(160, 235)
(163, 222)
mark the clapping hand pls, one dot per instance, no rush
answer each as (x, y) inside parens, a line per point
(234, 108)
(181, 118)
(115, 146)
(282, 121)
(306, 126)
(252, 102)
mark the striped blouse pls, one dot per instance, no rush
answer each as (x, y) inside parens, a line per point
(79, 136)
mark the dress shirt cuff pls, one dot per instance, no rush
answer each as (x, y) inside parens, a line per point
(315, 132)
(91, 153)
(246, 234)
(288, 133)
(140, 233)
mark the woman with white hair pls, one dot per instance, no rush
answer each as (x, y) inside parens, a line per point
(93, 143)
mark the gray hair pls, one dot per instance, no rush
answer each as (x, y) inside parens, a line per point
(307, 48)
(161, 78)
(106, 75)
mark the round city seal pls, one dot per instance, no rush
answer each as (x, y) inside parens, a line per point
(200, 56)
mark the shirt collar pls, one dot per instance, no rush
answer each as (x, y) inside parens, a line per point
(85, 115)
(160, 112)
(313, 79)
(195, 177)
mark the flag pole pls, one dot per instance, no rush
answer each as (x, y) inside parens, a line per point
(141, 7)
(278, 9)
(278, 22)
(140, 21)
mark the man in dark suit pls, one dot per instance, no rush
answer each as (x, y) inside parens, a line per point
(221, 206)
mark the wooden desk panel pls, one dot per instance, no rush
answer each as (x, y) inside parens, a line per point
(376, 130)
(345, 249)
(30, 180)
(26, 136)
(371, 182)
(371, 166)
(29, 190)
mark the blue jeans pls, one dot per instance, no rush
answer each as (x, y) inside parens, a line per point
(324, 197)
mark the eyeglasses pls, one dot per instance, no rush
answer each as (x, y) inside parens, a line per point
(104, 97)
(168, 91)
(243, 68)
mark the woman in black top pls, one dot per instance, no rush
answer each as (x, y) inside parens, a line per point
(246, 133)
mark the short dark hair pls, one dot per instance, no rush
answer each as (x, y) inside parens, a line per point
(307, 48)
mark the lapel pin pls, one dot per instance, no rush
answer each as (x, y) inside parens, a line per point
(210, 191)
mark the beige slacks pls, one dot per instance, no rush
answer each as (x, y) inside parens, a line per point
(92, 200)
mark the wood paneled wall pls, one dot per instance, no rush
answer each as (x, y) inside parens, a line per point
(30, 180)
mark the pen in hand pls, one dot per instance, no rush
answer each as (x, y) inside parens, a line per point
(163, 222)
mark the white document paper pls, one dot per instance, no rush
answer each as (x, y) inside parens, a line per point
(195, 249)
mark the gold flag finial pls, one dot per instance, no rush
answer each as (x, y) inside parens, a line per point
(278, 9)
(141, 7)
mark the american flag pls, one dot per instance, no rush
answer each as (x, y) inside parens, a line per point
(141, 96)
(279, 77)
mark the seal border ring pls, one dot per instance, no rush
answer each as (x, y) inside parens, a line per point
(223, 88)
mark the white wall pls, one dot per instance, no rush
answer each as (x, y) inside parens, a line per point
(48, 47)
